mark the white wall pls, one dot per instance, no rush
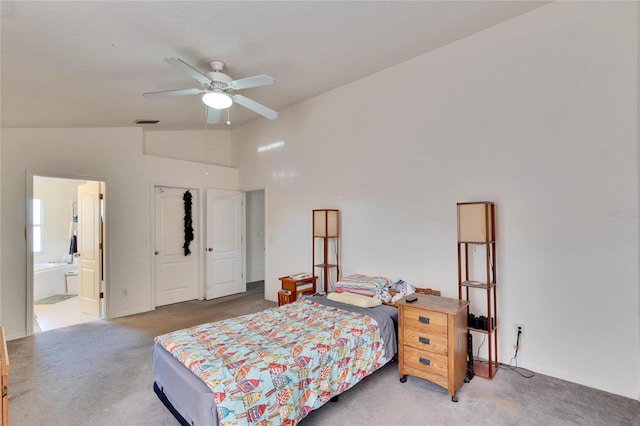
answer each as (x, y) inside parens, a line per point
(1, 301)
(114, 154)
(538, 114)
(58, 196)
(211, 146)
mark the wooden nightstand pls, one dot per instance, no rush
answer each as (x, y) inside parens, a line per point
(292, 287)
(432, 340)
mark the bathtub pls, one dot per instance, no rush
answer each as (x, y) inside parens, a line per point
(49, 278)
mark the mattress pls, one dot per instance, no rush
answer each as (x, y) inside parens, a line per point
(193, 401)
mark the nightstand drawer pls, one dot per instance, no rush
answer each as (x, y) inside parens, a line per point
(430, 342)
(425, 361)
(422, 319)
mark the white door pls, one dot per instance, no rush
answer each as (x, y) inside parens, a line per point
(176, 274)
(89, 248)
(224, 243)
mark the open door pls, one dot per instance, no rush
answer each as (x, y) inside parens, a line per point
(224, 243)
(89, 247)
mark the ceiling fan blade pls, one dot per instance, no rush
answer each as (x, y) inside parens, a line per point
(185, 67)
(255, 81)
(213, 115)
(255, 107)
(166, 93)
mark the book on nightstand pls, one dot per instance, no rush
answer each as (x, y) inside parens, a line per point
(304, 286)
(300, 276)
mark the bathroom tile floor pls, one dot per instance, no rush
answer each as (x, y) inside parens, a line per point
(61, 314)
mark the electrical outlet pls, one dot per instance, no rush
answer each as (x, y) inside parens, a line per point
(520, 327)
(124, 292)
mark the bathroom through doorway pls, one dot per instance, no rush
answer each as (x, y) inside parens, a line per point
(67, 219)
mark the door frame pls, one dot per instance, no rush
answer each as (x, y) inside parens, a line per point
(266, 239)
(29, 235)
(197, 250)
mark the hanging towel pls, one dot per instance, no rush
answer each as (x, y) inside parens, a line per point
(73, 246)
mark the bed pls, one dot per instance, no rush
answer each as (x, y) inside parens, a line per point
(274, 366)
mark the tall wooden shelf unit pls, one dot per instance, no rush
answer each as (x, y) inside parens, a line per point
(326, 229)
(476, 228)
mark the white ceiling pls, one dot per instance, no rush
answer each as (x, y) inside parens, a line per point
(86, 64)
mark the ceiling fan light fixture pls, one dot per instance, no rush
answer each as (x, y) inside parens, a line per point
(217, 99)
(218, 89)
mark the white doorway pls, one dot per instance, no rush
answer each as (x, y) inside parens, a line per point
(56, 226)
(176, 257)
(179, 277)
(255, 235)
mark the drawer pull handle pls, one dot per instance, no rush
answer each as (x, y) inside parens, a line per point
(424, 320)
(423, 340)
(425, 361)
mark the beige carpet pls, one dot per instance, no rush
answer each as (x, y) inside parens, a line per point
(99, 373)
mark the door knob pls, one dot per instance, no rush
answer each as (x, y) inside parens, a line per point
(157, 252)
(209, 249)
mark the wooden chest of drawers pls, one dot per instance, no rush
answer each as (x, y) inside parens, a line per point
(432, 340)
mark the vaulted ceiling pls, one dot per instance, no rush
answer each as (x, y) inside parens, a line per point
(86, 64)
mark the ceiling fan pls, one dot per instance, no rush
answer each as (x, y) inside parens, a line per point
(218, 90)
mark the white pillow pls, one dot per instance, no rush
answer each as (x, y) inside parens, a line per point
(355, 299)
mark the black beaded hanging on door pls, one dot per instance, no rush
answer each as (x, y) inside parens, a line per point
(188, 223)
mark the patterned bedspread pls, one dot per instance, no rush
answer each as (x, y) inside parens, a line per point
(275, 366)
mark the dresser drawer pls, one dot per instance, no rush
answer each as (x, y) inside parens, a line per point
(425, 361)
(422, 319)
(425, 341)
